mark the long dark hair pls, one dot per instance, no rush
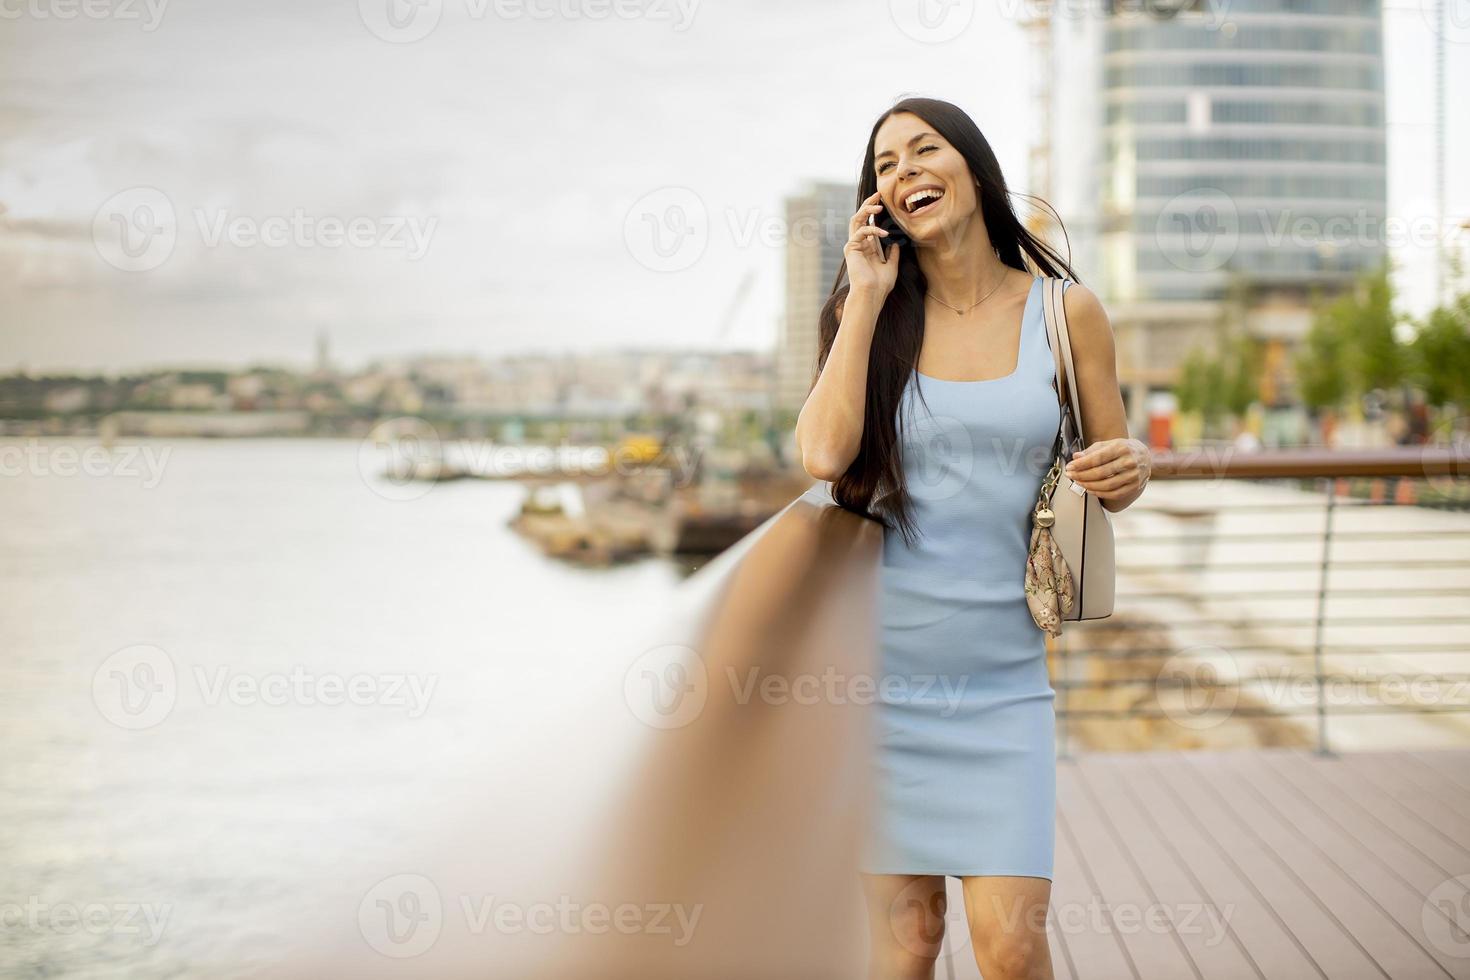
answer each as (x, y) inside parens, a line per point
(873, 484)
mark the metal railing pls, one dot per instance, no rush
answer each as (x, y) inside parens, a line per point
(1233, 571)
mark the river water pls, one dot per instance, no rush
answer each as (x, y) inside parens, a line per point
(227, 666)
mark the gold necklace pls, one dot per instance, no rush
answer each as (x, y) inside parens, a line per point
(967, 309)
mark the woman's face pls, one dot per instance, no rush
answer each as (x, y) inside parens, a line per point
(909, 156)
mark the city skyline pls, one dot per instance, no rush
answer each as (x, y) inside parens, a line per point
(298, 118)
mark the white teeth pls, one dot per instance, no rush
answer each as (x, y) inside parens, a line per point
(917, 198)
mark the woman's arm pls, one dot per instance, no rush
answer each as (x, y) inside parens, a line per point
(1113, 466)
(829, 429)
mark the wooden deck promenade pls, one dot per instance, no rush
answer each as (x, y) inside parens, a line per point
(1261, 863)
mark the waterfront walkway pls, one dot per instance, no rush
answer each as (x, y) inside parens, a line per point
(1266, 863)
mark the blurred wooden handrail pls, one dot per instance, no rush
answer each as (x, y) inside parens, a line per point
(734, 822)
(1227, 462)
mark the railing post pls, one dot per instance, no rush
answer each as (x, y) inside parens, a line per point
(1322, 748)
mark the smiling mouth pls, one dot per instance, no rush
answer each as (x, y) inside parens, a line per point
(926, 203)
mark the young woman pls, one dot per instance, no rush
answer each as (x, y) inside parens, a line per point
(934, 411)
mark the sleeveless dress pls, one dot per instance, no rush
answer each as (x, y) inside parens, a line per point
(964, 770)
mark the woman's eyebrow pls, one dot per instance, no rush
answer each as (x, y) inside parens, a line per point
(889, 153)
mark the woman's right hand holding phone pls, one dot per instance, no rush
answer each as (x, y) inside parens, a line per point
(871, 266)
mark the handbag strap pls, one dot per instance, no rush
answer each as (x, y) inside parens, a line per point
(1061, 348)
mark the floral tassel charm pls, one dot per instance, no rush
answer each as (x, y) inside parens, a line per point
(1048, 582)
(1048, 579)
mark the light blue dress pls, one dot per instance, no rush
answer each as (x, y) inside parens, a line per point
(965, 760)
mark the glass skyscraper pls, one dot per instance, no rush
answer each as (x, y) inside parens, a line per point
(1251, 146)
(1194, 144)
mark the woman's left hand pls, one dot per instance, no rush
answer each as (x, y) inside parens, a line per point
(1111, 468)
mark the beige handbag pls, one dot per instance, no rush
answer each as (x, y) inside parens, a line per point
(1070, 569)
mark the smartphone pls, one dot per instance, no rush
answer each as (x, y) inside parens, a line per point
(895, 234)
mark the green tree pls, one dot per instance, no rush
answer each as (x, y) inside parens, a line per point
(1241, 374)
(1226, 380)
(1352, 347)
(1321, 362)
(1202, 388)
(1440, 354)
(1378, 359)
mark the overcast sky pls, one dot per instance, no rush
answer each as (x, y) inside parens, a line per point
(192, 182)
